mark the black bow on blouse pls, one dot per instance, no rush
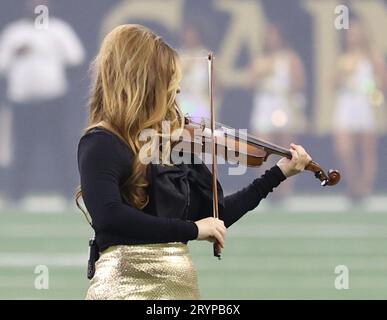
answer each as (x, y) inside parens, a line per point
(171, 188)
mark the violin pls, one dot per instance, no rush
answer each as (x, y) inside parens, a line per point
(245, 148)
(232, 146)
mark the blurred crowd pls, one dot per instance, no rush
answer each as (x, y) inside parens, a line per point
(34, 152)
(277, 78)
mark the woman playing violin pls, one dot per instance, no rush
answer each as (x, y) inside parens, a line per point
(143, 214)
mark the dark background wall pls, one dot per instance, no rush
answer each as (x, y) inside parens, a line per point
(85, 17)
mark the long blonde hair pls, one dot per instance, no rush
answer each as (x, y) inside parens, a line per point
(137, 77)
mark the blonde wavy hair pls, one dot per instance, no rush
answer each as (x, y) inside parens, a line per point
(136, 79)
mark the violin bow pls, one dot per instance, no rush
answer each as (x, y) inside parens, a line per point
(214, 171)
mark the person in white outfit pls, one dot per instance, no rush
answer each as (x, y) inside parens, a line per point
(193, 97)
(33, 62)
(278, 79)
(359, 78)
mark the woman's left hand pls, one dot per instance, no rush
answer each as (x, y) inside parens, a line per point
(300, 159)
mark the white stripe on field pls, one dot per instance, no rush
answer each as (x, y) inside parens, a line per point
(259, 262)
(303, 230)
(256, 230)
(53, 260)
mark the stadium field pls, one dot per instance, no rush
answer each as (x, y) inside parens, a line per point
(270, 254)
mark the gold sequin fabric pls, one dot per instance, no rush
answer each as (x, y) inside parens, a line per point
(163, 271)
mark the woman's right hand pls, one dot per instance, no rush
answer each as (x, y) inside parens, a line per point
(211, 229)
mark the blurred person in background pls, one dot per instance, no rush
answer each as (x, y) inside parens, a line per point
(5, 143)
(360, 82)
(33, 61)
(278, 77)
(193, 97)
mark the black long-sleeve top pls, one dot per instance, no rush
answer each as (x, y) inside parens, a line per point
(178, 195)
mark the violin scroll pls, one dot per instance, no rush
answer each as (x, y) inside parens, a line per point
(330, 179)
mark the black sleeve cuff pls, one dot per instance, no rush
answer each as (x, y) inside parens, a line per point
(187, 230)
(277, 172)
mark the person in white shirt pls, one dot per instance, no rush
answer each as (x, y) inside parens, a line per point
(193, 98)
(359, 79)
(278, 80)
(33, 61)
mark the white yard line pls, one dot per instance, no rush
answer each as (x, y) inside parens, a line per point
(303, 230)
(257, 230)
(53, 260)
(259, 262)
(299, 203)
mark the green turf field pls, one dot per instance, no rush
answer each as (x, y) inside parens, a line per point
(268, 255)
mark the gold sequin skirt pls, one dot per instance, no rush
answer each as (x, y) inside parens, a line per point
(162, 271)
